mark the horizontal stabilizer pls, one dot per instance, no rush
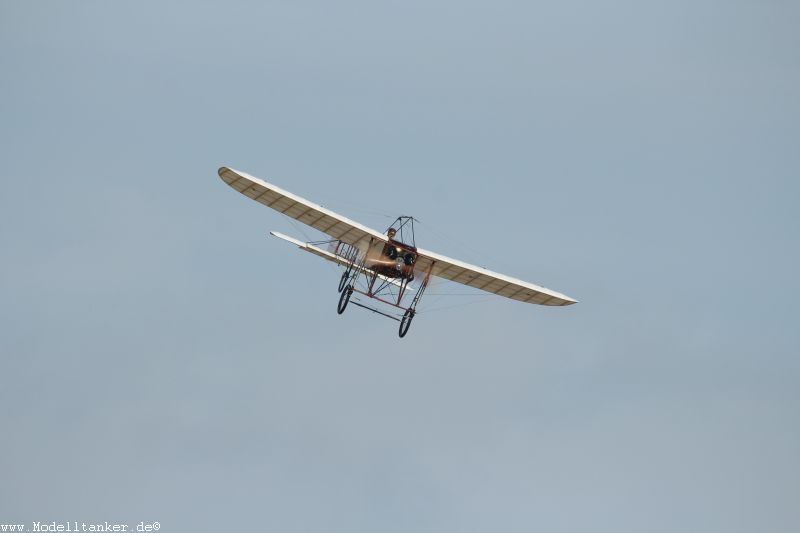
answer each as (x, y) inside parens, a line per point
(330, 256)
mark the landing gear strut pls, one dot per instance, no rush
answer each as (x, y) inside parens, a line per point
(374, 280)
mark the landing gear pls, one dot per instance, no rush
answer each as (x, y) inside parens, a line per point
(344, 299)
(382, 272)
(406, 322)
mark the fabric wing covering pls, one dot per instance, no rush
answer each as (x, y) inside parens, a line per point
(486, 280)
(351, 232)
(298, 208)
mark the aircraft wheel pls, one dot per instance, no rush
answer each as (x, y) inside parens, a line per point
(343, 281)
(344, 299)
(406, 322)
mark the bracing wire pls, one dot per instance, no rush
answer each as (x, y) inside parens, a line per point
(298, 227)
(462, 244)
(462, 304)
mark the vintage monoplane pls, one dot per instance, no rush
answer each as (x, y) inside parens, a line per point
(382, 266)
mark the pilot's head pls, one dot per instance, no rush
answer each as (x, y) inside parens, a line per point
(391, 232)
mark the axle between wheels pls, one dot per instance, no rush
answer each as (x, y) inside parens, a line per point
(344, 299)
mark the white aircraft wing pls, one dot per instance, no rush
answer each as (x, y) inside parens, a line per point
(486, 280)
(351, 232)
(300, 209)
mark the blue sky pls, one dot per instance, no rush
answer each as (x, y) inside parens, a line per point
(162, 358)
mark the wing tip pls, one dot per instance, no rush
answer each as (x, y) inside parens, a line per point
(556, 300)
(288, 239)
(566, 300)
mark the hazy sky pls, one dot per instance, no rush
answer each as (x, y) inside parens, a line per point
(163, 359)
